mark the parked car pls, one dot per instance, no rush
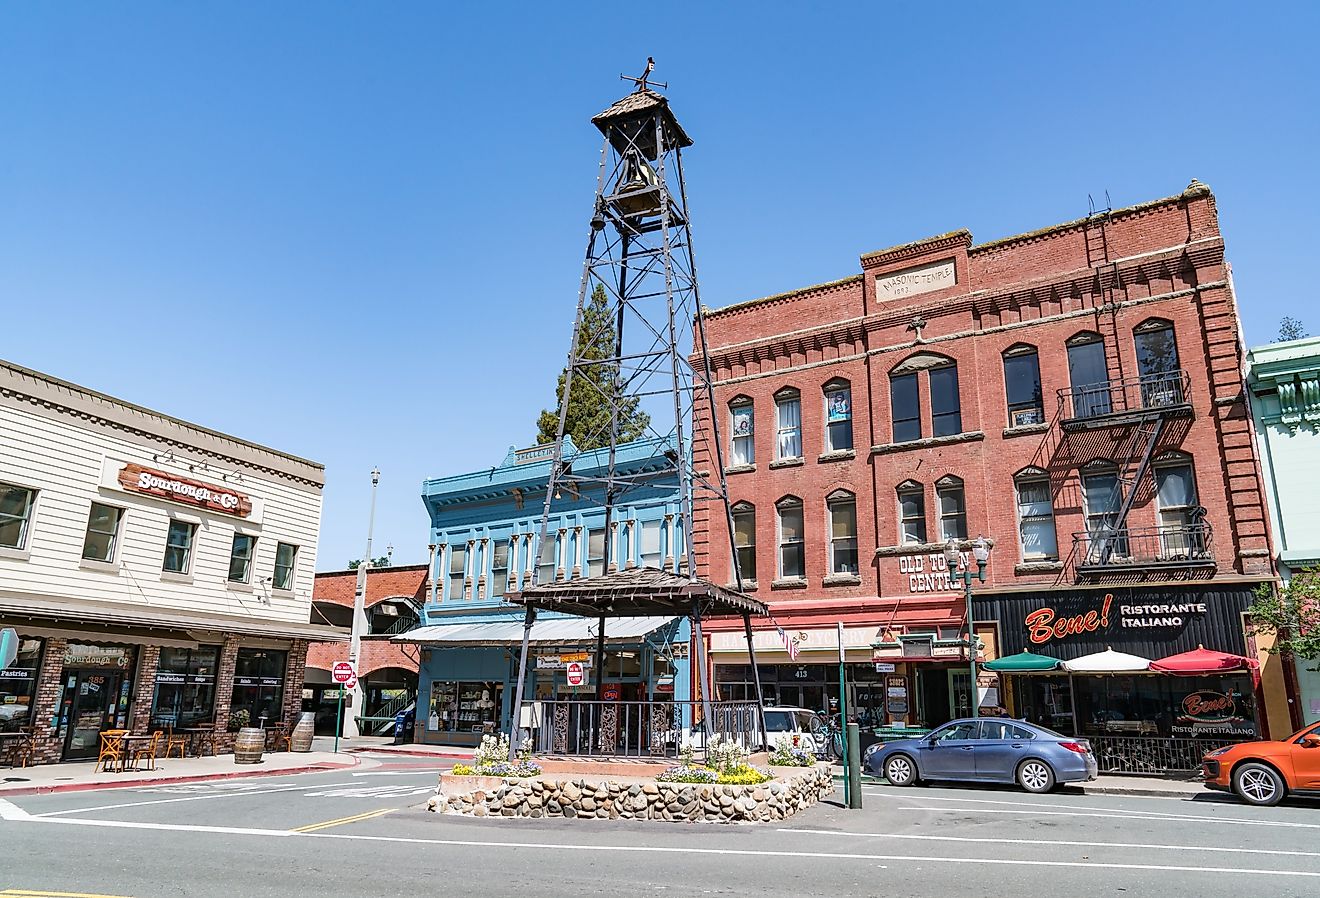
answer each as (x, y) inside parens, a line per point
(804, 727)
(985, 750)
(1265, 771)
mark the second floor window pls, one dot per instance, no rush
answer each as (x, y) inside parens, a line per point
(905, 403)
(1103, 500)
(286, 560)
(1175, 495)
(15, 515)
(102, 532)
(1088, 376)
(457, 571)
(499, 568)
(743, 429)
(953, 508)
(1036, 518)
(838, 418)
(744, 540)
(945, 404)
(912, 513)
(1157, 362)
(178, 547)
(595, 553)
(843, 533)
(1026, 402)
(788, 414)
(545, 567)
(649, 545)
(792, 549)
(240, 558)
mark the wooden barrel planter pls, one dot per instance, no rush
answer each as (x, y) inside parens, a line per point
(249, 745)
(301, 737)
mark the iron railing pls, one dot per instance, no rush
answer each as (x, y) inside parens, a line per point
(402, 625)
(1184, 546)
(1167, 390)
(1153, 755)
(637, 728)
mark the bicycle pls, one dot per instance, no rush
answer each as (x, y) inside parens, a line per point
(827, 733)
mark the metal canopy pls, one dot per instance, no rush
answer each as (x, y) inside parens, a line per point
(637, 592)
(561, 631)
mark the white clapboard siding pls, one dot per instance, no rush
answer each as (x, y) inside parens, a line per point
(62, 456)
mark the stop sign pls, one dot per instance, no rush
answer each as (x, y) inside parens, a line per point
(574, 673)
(343, 672)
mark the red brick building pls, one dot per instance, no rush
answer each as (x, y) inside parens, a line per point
(1073, 394)
(388, 671)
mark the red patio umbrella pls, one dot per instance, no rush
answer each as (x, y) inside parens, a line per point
(1204, 661)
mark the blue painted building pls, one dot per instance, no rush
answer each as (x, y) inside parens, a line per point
(485, 526)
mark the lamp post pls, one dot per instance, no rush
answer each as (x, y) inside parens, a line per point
(360, 613)
(953, 557)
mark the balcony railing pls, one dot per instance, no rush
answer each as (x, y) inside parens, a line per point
(1167, 392)
(1141, 548)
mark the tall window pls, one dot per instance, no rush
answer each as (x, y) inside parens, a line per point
(953, 508)
(102, 532)
(912, 513)
(1175, 495)
(286, 560)
(1088, 375)
(792, 549)
(1157, 362)
(499, 568)
(1103, 500)
(945, 407)
(595, 553)
(838, 417)
(457, 571)
(1026, 403)
(788, 425)
(843, 533)
(744, 539)
(240, 558)
(651, 555)
(905, 404)
(1036, 517)
(178, 547)
(545, 568)
(185, 686)
(258, 688)
(743, 430)
(15, 515)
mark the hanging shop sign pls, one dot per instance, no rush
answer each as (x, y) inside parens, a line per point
(138, 479)
(562, 660)
(78, 654)
(1047, 624)
(182, 678)
(896, 696)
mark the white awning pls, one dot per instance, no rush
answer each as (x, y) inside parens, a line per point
(1108, 661)
(555, 631)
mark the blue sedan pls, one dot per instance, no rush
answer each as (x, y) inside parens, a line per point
(985, 750)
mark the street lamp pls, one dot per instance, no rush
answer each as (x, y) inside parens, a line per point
(952, 558)
(359, 611)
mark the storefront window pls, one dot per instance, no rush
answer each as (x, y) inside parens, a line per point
(258, 688)
(185, 686)
(465, 707)
(18, 686)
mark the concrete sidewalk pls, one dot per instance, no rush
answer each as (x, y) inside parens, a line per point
(1106, 785)
(386, 746)
(78, 775)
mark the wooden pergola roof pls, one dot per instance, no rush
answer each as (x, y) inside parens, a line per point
(637, 592)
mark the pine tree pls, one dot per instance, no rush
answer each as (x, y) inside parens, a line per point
(588, 421)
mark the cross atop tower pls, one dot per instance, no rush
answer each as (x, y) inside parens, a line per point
(641, 82)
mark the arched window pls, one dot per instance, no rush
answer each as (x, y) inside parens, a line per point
(1103, 499)
(1026, 402)
(838, 416)
(788, 424)
(792, 546)
(742, 430)
(1035, 516)
(842, 508)
(1088, 376)
(911, 512)
(744, 539)
(953, 508)
(905, 396)
(1157, 363)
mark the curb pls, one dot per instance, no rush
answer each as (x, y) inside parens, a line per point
(411, 753)
(171, 780)
(1086, 788)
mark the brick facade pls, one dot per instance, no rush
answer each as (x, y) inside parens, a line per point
(224, 694)
(144, 687)
(50, 687)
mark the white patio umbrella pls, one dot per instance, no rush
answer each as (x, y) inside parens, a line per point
(1108, 661)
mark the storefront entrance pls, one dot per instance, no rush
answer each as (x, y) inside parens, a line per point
(95, 700)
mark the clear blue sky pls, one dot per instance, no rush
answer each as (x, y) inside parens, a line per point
(354, 231)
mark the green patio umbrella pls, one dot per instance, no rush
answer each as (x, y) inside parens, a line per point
(1023, 662)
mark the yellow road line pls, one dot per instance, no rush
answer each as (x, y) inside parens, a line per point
(313, 827)
(33, 893)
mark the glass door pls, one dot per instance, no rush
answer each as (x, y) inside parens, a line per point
(93, 700)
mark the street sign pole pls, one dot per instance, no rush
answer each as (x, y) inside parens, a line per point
(848, 784)
(339, 717)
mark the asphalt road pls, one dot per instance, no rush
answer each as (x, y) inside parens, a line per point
(366, 833)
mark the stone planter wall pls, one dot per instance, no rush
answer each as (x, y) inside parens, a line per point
(793, 789)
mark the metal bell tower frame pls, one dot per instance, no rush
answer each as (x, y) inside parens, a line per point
(652, 350)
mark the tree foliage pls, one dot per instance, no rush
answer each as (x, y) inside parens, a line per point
(382, 561)
(594, 382)
(1290, 328)
(1292, 615)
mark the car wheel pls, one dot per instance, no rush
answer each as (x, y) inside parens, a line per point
(1258, 784)
(1035, 776)
(900, 770)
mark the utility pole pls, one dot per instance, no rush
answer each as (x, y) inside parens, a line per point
(357, 695)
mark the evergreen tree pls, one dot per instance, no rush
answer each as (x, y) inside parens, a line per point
(1290, 328)
(588, 421)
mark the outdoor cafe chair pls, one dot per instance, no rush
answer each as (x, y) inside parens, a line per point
(17, 749)
(278, 734)
(145, 750)
(175, 741)
(111, 755)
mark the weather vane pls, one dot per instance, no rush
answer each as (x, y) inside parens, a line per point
(643, 82)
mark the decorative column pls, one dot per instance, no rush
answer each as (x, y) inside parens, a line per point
(469, 569)
(578, 550)
(224, 693)
(667, 533)
(613, 537)
(47, 747)
(632, 543)
(561, 555)
(295, 673)
(483, 575)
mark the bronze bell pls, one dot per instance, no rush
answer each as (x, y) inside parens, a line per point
(637, 176)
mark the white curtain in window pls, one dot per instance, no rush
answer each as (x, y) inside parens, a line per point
(790, 428)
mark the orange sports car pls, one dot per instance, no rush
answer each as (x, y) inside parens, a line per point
(1264, 772)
